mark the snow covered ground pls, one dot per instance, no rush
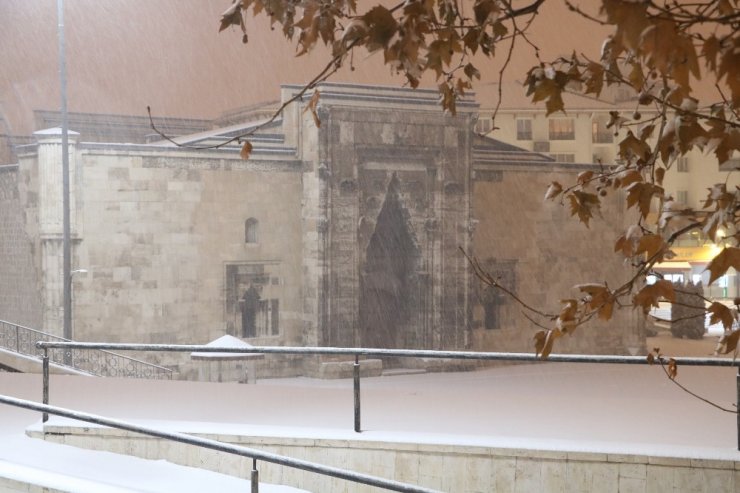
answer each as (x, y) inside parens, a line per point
(548, 406)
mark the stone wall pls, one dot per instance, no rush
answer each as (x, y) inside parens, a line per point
(164, 245)
(447, 468)
(20, 301)
(540, 251)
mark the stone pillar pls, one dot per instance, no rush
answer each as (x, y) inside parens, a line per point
(314, 231)
(50, 217)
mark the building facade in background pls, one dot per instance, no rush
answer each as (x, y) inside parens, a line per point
(581, 136)
(346, 234)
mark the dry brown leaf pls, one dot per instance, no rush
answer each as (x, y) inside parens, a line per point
(584, 204)
(651, 245)
(246, 150)
(311, 106)
(672, 369)
(544, 340)
(641, 194)
(584, 177)
(553, 190)
(728, 342)
(650, 295)
(721, 313)
(729, 257)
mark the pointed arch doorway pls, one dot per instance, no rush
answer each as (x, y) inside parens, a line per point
(387, 283)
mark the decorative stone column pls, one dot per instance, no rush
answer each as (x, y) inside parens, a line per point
(50, 217)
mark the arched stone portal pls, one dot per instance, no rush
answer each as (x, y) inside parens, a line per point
(388, 276)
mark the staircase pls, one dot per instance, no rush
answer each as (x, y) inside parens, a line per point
(18, 352)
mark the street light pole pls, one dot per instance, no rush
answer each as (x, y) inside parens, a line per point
(66, 248)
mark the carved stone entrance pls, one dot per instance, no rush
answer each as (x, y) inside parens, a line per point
(392, 209)
(387, 282)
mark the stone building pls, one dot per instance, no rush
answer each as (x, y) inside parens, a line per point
(347, 234)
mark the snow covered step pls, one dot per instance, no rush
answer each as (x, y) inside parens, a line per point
(29, 465)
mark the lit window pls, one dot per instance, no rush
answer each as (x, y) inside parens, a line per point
(524, 130)
(562, 129)
(251, 227)
(673, 278)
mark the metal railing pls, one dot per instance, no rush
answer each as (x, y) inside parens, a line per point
(377, 352)
(22, 340)
(228, 448)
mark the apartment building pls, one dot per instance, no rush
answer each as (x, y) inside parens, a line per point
(581, 136)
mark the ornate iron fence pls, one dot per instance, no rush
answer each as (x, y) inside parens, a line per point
(22, 340)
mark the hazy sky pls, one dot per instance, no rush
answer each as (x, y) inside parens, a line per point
(123, 56)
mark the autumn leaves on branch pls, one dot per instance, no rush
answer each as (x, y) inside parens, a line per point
(656, 49)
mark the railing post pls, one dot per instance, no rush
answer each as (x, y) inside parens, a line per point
(356, 369)
(17, 340)
(45, 391)
(255, 477)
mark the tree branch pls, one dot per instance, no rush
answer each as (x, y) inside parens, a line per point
(325, 73)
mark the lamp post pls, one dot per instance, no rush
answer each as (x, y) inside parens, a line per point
(69, 334)
(66, 249)
(71, 274)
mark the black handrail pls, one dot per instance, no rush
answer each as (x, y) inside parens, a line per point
(254, 454)
(379, 352)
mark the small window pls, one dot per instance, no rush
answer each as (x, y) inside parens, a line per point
(251, 230)
(562, 129)
(274, 317)
(483, 125)
(682, 196)
(564, 157)
(673, 277)
(491, 301)
(682, 165)
(524, 130)
(599, 133)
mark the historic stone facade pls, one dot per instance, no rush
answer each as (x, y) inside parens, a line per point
(20, 299)
(347, 234)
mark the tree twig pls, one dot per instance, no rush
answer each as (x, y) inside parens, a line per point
(325, 73)
(661, 360)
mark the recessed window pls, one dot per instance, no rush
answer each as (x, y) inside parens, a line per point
(251, 230)
(260, 317)
(682, 165)
(682, 196)
(524, 130)
(562, 129)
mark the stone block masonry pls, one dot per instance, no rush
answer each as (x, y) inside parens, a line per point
(20, 301)
(448, 468)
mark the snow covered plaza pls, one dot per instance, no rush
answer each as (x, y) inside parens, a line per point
(542, 427)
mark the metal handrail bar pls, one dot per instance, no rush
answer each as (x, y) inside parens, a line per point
(414, 353)
(417, 353)
(62, 339)
(255, 454)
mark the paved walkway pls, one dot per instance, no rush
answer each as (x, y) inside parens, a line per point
(549, 405)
